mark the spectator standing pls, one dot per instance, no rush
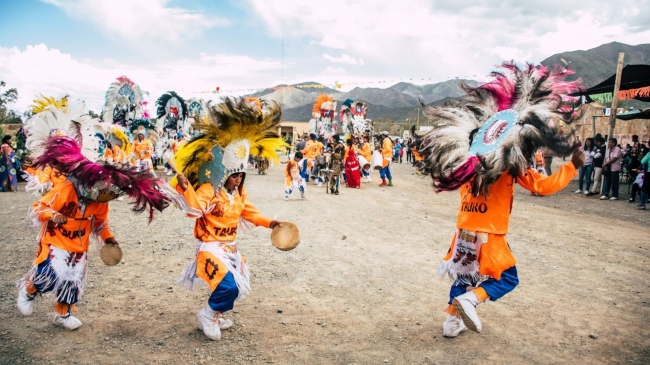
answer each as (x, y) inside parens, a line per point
(645, 188)
(409, 153)
(612, 166)
(587, 168)
(598, 154)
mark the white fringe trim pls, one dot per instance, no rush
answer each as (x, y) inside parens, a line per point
(35, 187)
(180, 202)
(473, 278)
(189, 279)
(63, 288)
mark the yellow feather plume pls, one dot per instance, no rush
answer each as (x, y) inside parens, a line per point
(120, 135)
(232, 120)
(322, 98)
(43, 102)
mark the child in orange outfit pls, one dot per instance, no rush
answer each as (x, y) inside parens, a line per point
(212, 185)
(479, 258)
(67, 223)
(482, 146)
(295, 175)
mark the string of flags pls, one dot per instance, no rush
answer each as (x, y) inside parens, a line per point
(337, 85)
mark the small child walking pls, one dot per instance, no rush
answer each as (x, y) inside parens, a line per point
(296, 175)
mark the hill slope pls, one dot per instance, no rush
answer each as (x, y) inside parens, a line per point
(597, 64)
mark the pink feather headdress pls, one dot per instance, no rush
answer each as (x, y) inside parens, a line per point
(527, 97)
(64, 154)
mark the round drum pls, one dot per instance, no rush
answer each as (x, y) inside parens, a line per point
(377, 160)
(111, 254)
(285, 236)
(363, 162)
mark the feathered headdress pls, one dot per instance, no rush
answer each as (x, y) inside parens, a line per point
(44, 102)
(101, 181)
(323, 102)
(123, 102)
(146, 127)
(353, 117)
(59, 118)
(171, 108)
(117, 136)
(497, 127)
(231, 132)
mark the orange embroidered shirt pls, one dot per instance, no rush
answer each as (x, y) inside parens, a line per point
(366, 152)
(49, 173)
(221, 217)
(74, 235)
(387, 148)
(491, 214)
(143, 150)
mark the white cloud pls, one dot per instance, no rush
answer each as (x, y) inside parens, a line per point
(512, 53)
(38, 69)
(331, 42)
(141, 20)
(424, 38)
(343, 59)
(333, 71)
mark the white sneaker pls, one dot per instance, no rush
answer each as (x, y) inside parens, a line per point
(613, 198)
(224, 324)
(319, 184)
(209, 323)
(25, 302)
(603, 197)
(169, 173)
(465, 305)
(69, 322)
(286, 197)
(453, 326)
(578, 191)
(302, 195)
(586, 192)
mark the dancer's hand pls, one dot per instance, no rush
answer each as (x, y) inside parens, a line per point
(59, 219)
(182, 181)
(111, 241)
(275, 224)
(578, 158)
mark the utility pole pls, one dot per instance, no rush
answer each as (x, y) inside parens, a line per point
(418, 122)
(617, 86)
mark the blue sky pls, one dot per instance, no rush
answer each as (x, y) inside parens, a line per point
(79, 47)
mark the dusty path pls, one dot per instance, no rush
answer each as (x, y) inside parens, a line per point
(368, 298)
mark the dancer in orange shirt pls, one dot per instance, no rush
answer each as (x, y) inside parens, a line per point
(143, 149)
(74, 210)
(484, 145)
(213, 186)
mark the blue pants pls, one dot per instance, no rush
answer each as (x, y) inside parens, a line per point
(385, 173)
(585, 174)
(611, 183)
(223, 297)
(365, 172)
(42, 270)
(494, 288)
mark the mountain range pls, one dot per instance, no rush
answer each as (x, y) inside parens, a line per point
(402, 100)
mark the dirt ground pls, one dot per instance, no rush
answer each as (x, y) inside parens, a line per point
(360, 289)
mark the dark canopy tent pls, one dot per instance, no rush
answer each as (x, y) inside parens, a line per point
(635, 84)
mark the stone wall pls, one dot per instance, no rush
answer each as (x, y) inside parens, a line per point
(622, 132)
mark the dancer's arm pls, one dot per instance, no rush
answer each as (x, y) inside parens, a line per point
(253, 215)
(547, 185)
